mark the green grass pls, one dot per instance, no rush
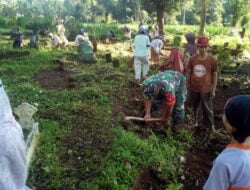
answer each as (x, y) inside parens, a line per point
(128, 155)
(82, 144)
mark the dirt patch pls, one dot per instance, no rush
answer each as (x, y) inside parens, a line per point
(198, 166)
(207, 144)
(200, 157)
(147, 180)
(85, 147)
(57, 78)
(13, 54)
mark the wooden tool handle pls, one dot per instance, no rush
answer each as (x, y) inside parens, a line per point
(141, 118)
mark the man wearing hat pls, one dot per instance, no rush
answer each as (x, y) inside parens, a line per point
(202, 82)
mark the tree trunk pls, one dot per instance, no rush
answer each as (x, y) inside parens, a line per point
(235, 14)
(184, 16)
(125, 10)
(160, 18)
(136, 10)
(203, 17)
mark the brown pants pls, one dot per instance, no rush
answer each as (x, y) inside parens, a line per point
(205, 99)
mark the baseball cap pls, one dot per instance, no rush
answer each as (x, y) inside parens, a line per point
(202, 41)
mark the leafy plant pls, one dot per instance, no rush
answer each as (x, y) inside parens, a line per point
(37, 23)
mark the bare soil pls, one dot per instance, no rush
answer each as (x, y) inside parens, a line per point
(147, 179)
(58, 78)
(207, 145)
(85, 148)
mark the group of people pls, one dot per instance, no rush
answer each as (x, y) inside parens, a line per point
(198, 78)
(59, 39)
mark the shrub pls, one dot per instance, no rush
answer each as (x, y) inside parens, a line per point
(38, 23)
(22, 21)
(3, 21)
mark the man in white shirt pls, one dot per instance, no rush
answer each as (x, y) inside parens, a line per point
(141, 44)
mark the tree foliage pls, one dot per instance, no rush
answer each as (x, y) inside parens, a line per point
(174, 11)
(239, 9)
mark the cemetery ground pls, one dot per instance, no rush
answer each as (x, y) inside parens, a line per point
(85, 143)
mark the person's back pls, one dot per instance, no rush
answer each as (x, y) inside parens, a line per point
(170, 80)
(191, 49)
(170, 85)
(78, 38)
(157, 44)
(176, 60)
(141, 44)
(85, 50)
(55, 41)
(176, 57)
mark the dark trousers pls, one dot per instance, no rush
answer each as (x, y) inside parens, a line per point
(205, 99)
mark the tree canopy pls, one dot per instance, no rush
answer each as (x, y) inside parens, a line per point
(219, 12)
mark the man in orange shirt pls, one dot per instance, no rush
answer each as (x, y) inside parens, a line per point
(202, 81)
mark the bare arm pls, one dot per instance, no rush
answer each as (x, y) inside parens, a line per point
(147, 108)
(188, 78)
(214, 82)
(167, 112)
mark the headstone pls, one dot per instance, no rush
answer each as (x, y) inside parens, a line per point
(25, 113)
(108, 58)
(116, 63)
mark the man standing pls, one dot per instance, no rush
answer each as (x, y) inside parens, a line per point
(202, 82)
(141, 44)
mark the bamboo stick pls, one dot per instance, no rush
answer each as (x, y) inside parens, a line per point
(141, 119)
